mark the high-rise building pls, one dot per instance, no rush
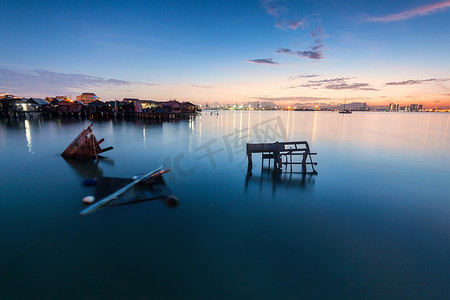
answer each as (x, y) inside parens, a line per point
(394, 107)
(87, 98)
(391, 106)
(414, 107)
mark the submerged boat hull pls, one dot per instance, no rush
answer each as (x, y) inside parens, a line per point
(85, 146)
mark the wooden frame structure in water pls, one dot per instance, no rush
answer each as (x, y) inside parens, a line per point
(283, 150)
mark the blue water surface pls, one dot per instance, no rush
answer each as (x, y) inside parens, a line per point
(374, 223)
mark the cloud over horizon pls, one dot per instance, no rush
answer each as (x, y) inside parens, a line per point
(417, 81)
(340, 83)
(44, 82)
(206, 87)
(412, 13)
(305, 75)
(300, 99)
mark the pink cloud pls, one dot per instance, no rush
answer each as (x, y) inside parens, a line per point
(284, 24)
(416, 12)
(273, 7)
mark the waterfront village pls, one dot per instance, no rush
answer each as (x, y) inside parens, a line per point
(91, 106)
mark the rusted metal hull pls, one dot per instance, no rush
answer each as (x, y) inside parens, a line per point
(85, 146)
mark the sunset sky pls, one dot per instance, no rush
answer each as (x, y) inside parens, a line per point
(277, 52)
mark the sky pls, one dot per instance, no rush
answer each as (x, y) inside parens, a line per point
(299, 53)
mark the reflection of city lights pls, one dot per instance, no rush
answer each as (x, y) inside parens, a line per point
(143, 133)
(28, 136)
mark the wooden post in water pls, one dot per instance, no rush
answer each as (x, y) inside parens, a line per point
(250, 162)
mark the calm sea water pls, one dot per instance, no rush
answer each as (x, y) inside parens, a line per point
(375, 221)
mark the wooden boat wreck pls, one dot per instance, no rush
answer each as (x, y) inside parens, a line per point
(114, 191)
(85, 146)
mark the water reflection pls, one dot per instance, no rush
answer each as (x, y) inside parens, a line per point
(277, 180)
(142, 192)
(88, 168)
(446, 126)
(28, 136)
(313, 136)
(353, 224)
(143, 134)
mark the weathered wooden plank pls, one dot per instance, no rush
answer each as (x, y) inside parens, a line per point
(105, 149)
(299, 163)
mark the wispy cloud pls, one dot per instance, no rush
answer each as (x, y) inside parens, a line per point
(305, 75)
(292, 24)
(347, 86)
(260, 103)
(299, 99)
(44, 82)
(315, 52)
(416, 12)
(280, 11)
(207, 87)
(273, 7)
(340, 83)
(417, 81)
(319, 83)
(316, 55)
(269, 61)
(329, 80)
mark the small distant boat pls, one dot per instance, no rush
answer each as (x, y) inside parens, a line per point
(345, 111)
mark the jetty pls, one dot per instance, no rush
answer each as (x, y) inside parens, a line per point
(85, 146)
(287, 154)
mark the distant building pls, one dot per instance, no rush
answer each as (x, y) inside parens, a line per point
(37, 104)
(136, 105)
(150, 104)
(87, 98)
(189, 107)
(12, 104)
(53, 101)
(420, 107)
(64, 98)
(414, 107)
(69, 106)
(394, 107)
(172, 106)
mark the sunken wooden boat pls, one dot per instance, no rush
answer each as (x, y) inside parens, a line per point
(85, 146)
(123, 191)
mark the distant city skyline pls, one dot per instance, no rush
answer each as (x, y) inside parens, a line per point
(298, 53)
